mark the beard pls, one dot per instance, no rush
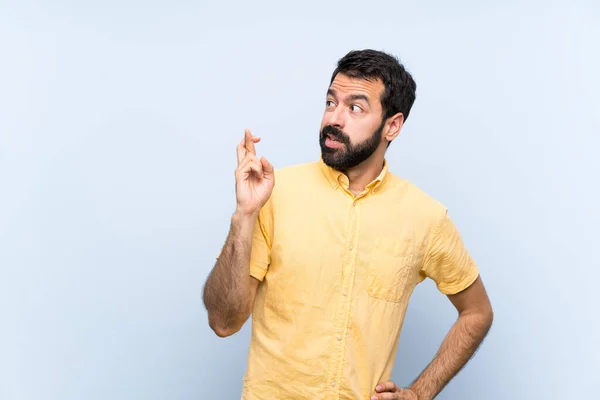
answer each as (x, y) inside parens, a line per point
(349, 155)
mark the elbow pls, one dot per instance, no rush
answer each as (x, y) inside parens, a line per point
(480, 320)
(221, 329)
(489, 313)
(487, 319)
(490, 317)
(223, 332)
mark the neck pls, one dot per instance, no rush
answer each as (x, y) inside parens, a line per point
(364, 173)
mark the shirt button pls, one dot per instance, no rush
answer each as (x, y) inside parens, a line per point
(350, 247)
(339, 337)
(345, 292)
(333, 383)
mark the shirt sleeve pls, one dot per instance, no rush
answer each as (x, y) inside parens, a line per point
(447, 261)
(260, 256)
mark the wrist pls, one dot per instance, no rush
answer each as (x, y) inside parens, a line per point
(415, 394)
(418, 393)
(244, 218)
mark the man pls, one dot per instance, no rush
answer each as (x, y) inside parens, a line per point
(327, 259)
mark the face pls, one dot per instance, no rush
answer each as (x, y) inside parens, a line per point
(352, 125)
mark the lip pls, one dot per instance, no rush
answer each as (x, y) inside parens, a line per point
(332, 144)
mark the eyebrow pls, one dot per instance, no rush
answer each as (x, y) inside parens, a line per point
(354, 97)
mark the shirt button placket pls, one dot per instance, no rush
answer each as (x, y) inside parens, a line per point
(341, 318)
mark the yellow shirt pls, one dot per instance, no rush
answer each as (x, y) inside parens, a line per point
(337, 273)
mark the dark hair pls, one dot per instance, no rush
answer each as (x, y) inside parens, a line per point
(399, 93)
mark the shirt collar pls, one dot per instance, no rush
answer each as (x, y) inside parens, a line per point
(337, 178)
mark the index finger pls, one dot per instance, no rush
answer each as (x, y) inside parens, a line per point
(249, 142)
(241, 151)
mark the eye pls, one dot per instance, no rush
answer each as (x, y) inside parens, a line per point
(329, 104)
(356, 108)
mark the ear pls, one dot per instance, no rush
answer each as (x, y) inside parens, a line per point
(394, 125)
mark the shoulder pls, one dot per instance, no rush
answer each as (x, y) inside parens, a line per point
(292, 181)
(307, 169)
(410, 196)
(298, 176)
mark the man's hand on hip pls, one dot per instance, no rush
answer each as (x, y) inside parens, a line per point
(389, 391)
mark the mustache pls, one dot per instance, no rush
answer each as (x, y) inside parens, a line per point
(336, 133)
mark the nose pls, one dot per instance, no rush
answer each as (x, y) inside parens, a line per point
(335, 118)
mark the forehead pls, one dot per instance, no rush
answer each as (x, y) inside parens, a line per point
(344, 86)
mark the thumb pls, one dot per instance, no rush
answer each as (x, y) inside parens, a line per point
(267, 168)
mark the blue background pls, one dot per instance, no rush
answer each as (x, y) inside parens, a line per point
(118, 127)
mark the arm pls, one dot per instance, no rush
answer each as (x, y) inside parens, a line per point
(455, 273)
(475, 317)
(229, 290)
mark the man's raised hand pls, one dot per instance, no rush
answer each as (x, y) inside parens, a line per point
(254, 177)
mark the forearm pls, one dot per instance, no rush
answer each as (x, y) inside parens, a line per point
(458, 347)
(227, 293)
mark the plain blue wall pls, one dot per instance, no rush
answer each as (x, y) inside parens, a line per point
(118, 126)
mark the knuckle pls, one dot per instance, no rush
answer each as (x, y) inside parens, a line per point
(242, 168)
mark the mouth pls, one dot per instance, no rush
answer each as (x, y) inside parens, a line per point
(332, 142)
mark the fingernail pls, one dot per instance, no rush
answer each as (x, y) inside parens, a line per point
(379, 387)
(374, 398)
